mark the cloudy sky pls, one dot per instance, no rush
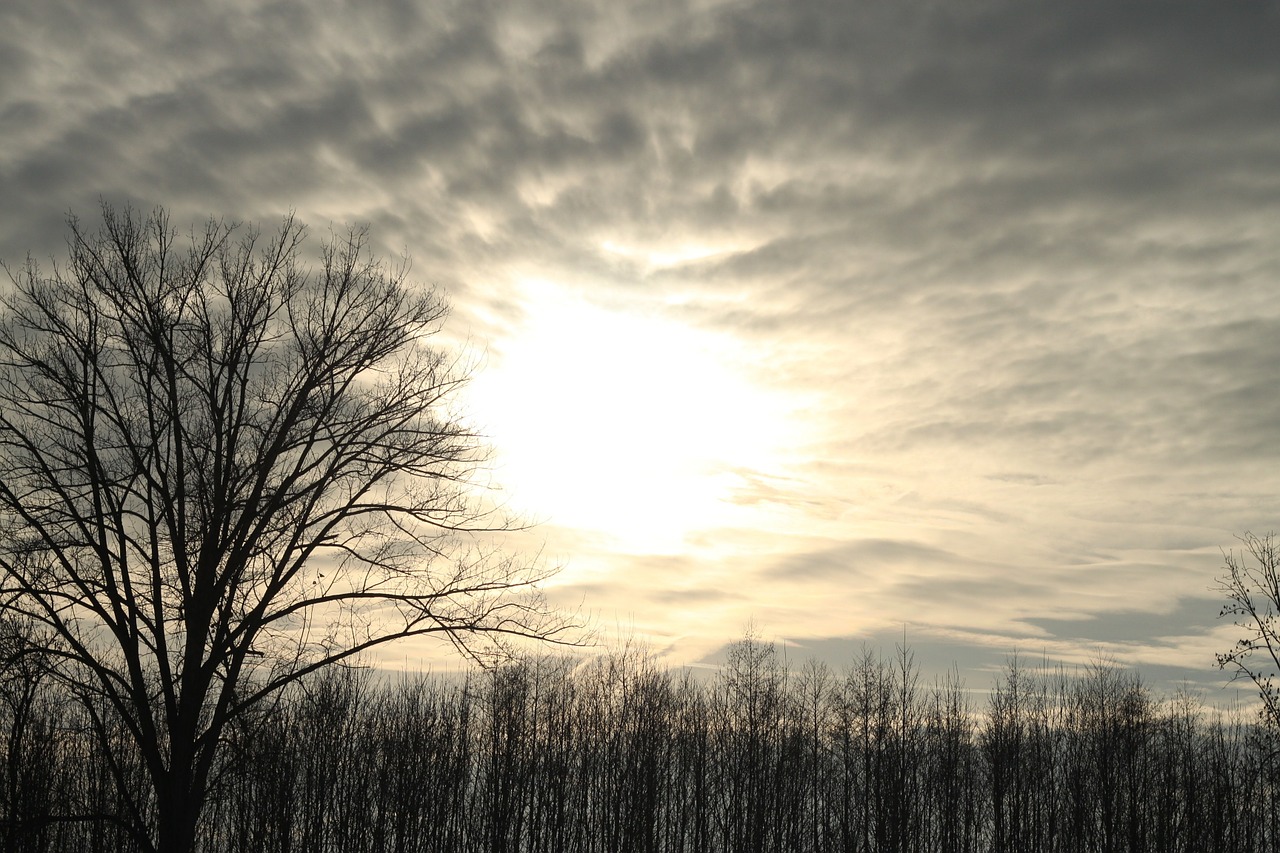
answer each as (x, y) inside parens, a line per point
(842, 318)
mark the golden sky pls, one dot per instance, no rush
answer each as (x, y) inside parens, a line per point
(834, 317)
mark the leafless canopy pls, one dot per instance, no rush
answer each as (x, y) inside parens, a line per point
(1251, 584)
(220, 470)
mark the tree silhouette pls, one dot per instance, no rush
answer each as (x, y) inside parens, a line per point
(1251, 584)
(221, 471)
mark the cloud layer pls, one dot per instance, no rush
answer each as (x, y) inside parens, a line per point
(1013, 267)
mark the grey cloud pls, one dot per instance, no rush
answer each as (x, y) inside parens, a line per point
(1039, 237)
(694, 597)
(1164, 394)
(1023, 477)
(756, 81)
(860, 559)
(1188, 616)
(970, 590)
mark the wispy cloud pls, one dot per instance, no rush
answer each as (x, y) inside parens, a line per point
(1015, 265)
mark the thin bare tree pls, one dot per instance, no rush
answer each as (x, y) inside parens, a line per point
(1251, 584)
(220, 471)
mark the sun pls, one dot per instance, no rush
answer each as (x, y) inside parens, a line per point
(624, 424)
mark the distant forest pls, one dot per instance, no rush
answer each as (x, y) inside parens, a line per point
(622, 754)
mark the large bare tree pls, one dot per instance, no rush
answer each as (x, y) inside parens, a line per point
(221, 470)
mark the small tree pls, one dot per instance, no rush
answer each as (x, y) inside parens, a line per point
(1251, 583)
(220, 471)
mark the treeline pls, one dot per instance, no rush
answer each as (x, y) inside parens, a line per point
(620, 754)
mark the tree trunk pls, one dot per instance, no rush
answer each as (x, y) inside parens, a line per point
(179, 812)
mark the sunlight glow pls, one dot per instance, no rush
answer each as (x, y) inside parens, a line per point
(669, 256)
(623, 424)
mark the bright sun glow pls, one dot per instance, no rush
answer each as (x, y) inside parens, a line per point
(672, 255)
(631, 426)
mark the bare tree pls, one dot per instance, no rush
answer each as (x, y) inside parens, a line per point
(221, 471)
(1251, 583)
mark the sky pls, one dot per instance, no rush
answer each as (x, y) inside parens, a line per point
(848, 321)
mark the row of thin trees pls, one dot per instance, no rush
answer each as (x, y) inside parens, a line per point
(620, 754)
